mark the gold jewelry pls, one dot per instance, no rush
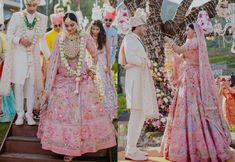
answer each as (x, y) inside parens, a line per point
(68, 20)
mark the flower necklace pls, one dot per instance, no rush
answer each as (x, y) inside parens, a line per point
(24, 30)
(81, 55)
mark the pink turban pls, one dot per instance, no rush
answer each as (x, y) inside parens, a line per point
(57, 18)
(109, 15)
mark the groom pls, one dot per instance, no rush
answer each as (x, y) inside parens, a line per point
(139, 86)
(25, 36)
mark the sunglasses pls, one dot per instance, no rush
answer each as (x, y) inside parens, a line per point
(57, 25)
(110, 20)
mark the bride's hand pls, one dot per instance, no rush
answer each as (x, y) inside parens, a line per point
(43, 101)
(91, 73)
(108, 70)
(167, 39)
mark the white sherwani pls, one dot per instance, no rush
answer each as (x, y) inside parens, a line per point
(139, 87)
(21, 62)
(26, 67)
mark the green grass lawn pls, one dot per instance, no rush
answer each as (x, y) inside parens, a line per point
(3, 130)
(223, 59)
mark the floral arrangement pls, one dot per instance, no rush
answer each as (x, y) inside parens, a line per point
(222, 8)
(164, 94)
(74, 72)
(122, 19)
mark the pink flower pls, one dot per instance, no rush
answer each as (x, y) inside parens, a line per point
(125, 14)
(158, 123)
(121, 21)
(160, 102)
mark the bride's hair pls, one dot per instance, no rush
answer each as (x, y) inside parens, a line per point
(71, 16)
(191, 26)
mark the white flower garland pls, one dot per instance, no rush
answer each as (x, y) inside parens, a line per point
(24, 30)
(77, 72)
(73, 72)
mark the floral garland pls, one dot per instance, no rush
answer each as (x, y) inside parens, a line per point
(73, 72)
(24, 30)
(81, 57)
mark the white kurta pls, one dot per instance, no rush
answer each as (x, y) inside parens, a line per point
(139, 85)
(22, 62)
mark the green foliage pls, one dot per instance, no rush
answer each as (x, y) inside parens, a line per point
(3, 130)
(232, 128)
(86, 7)
(115, 67)
(121, 104)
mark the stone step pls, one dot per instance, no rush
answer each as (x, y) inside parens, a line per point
(24, 130)
(28, 145)
(19, 157)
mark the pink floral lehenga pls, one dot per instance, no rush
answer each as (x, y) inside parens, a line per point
(196, 130)
(73, 124)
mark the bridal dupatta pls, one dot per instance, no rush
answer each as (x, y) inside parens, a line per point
(209, 93)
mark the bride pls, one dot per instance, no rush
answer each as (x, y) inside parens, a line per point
(74, 122)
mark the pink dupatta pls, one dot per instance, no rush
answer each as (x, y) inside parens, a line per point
(209, 92)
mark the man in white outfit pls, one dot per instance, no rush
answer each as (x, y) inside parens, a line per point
(25, 37)
(139, 85)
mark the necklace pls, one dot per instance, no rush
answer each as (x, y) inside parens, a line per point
(29, 25)
(72, 49)
(24, 30)
(81, 54)
(81, 57)
(72, 37)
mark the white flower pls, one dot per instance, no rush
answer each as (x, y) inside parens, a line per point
(163, 120)
(165, 100)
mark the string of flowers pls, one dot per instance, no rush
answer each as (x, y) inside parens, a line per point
(73, 72)
(81, 57)
(24, 30)
(97, 82)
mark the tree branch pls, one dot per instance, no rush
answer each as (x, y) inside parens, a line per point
(209, 7)
(182, 10)
(132, 5)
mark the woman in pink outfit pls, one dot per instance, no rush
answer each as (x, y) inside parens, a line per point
(74, 122)
(196, 130)
(97, 32)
